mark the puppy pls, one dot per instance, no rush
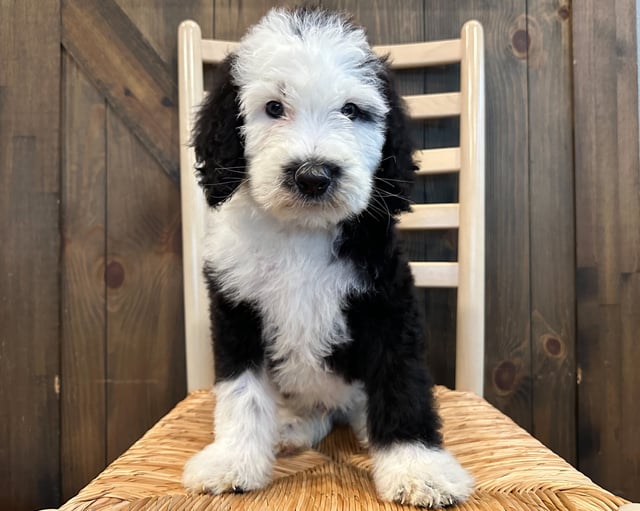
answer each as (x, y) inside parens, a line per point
(305, 158)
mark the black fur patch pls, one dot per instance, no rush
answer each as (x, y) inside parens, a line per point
(219, 148)
(396, 174)
(237, 330)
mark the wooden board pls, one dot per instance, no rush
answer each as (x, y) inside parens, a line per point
(629, 455)
(145, 329)
(86, 199)
(144, 273)
(158, 23)
(126, 69)
(29, 257)
(232, 19)
(83, 329)
(607, 242)
(552, 228)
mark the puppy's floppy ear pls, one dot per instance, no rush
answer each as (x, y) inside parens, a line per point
(397, 169)
(220, 162)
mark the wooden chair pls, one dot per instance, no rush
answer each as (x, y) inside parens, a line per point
(512, 469)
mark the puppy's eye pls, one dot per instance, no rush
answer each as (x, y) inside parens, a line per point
(274, 109)
(350, 111)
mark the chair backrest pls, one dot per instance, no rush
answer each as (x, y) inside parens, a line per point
(468, 215)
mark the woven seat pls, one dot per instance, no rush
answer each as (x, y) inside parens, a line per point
(513, 471)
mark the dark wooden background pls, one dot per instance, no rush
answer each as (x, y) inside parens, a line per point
(91, 332)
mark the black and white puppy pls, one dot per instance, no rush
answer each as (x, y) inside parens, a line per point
(304, 156)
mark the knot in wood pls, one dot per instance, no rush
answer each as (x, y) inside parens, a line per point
(504, 376)
(564, 13)
(553, 346)
(114, 275)
(520, 42)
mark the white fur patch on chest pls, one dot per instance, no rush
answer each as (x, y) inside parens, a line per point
(299, 287)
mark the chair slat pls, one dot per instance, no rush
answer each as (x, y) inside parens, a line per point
(199, 357)
(471, 236)
(430, 216)
(435, 274)
(404, 56)
(401, 56)
(437, 161)
(214, 52)
(430, 106)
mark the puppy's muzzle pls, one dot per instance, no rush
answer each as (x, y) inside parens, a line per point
(313, 179)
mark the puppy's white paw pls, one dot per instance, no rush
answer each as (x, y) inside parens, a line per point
(415, 474)
(220, 468)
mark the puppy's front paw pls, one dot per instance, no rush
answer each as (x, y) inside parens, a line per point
(220, 468)
(418, 475)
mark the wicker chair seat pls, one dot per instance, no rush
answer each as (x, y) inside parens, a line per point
(513, 471)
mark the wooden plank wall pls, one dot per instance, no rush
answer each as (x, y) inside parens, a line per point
(551, 225)
(29, 253)
(92, 355)
(607, 242)
(83, 360)
(122, 321)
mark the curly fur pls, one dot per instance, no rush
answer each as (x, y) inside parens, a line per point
(218, 140)
(312, 301)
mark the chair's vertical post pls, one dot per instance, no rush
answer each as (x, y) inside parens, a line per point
(199, 354)
(471, 245)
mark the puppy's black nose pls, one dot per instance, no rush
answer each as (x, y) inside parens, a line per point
(313, 179)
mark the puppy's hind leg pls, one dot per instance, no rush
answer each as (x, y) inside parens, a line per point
(299, 431)
(356, 417)
(242, 454)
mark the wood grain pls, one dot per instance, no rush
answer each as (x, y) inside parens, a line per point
(29, 257)
(552, 228)
(232, 19)
(125, 68)
(629, 319)
(84, 407)
(158, 20)
(145, 329)
(144, 273)
(607, 242)
(628, 218)
(83, 329)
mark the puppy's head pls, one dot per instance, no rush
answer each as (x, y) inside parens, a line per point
(304, 116)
